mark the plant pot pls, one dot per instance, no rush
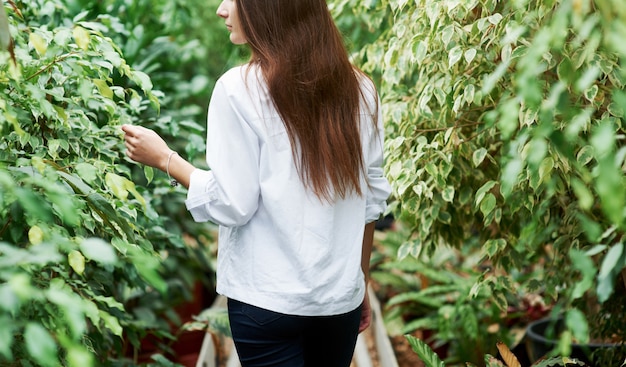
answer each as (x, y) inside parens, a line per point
(538, 345)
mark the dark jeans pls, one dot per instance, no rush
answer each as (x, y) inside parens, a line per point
(267, 338)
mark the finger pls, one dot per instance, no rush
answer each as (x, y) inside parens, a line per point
(130, 130)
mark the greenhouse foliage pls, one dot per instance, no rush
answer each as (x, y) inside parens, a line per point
(505, 139)
(506, 128)
(91, 261)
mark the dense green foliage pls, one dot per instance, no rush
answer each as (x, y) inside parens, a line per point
(87, 266)
(506, 126)
(505, 150)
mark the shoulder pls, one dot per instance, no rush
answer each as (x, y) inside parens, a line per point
(238, 77)
(233, 74)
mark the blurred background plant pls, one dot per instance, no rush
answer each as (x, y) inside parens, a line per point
(436, 299)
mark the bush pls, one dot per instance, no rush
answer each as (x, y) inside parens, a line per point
(88, 266)
(506, 125)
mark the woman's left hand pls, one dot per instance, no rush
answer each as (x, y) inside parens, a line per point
(145, 146)
(366, 313)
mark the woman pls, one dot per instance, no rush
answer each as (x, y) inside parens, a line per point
(294, 145)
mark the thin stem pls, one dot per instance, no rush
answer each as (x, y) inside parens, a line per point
(55, 61)
(5, 227)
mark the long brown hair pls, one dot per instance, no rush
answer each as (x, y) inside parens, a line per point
(314, 87)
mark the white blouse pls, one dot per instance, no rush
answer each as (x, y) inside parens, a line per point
(280, 247)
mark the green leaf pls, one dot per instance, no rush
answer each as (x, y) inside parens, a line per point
(7, 332)
(111, 323)
(109, 301)
(420, 50)
(98, 250)
(585, 155)
(495, 18)
(419, 297)
(611, 189)
(537, 150)
(585, 265)
(35, 235)
(79, 357)
(76, 261)
(99, 205)
(148, 172)
(40, 44)
(71, 305)
(577, 323)
(493, 247)
(469, 55)
(603, 138)
(479, 156)
(121, 186)
(613, 263)
(426, 354)
(591, 93)
(413, 248)
(584, 195)
(103, 88)
(448, 194)
(33, 205)
(480, 194)
(545, 169)
(510, 175)
(148, 267)
(142, 79)
(559, 361)
(454, 56)
(82, 37)
(117, 184)
(419, 324)
(509, 117)
(40, 345)
(611, 260)
(87, 172)
(488, 204)
(592, 229)
(446, 35)
(492, 79)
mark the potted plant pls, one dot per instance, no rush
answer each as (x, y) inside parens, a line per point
(605, 346)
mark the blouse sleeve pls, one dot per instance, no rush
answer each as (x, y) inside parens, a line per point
(228, 194)
(379, 188)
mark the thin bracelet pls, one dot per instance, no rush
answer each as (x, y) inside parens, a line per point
(173, 182)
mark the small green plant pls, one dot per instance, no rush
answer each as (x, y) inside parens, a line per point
(431, 359)
(440, 298)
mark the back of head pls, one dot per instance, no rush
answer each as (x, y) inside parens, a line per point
(314, 87)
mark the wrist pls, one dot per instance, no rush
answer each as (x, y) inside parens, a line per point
(163, 160)
(170, 156)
